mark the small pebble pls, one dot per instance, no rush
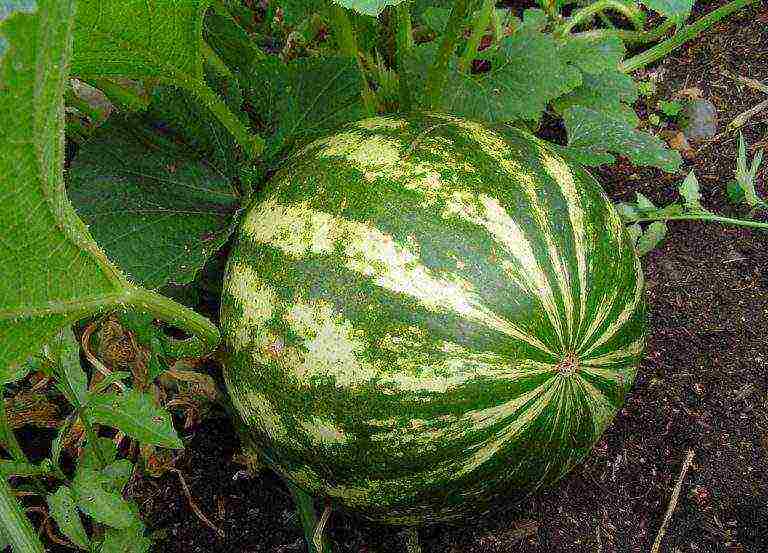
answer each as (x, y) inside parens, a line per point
(699, 120)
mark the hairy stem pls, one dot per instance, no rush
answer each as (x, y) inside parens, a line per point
(702, 217)
(682, 36)
(213, 59)
(251, 144)
(478, 31)
(403, 45)
(438, 72)
(632, 13)
(345, 35)
(16, 526)
(205, 334)
(631, 37)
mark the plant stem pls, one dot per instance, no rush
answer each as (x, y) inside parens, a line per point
(251, 144)
(703, 217)
(306, 508)
(632, 37)
(438, 72)
(632, 13)
(682, 36)
(403, 45)
(16, 526)
(345, 35)
(213, 59)
(204, 331)
(478, 31)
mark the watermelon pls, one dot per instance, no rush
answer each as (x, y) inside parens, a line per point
(424, 317)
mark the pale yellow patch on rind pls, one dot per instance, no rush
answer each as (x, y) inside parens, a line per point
(256, 299)
(623, 317)
(297, 229)
(488, 213)
(324, 431)
(377, 123)
(562, 175)
(331, 345)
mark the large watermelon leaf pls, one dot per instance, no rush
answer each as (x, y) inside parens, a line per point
(138, 38)
(593, 134)
(368, 7)
(304, 98)
(51, 270)
(526, 73)
(158, 211)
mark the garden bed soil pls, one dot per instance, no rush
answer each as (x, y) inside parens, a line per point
(702, 387)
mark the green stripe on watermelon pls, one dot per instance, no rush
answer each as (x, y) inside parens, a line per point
(423, 316)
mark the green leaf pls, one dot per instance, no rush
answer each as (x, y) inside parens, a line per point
(118, 474)
(643, 203)
(10, 468)
(436, 18)
(14, 372)
(305, 98)
(368, 7)
(689, 190)
(628, 212)
(89, 460)
(51, 271)
(735, 192)
(63, 352)
(158, 212)
(138, 38)
(670, 108)
(128, 540)
(609, 92)
(64, 512)
(592, 134)
(592, 55)
(652, 237)
(635, 232)
(526, 74)
(93, 493)
(676, 10)
(58, 442)
(136, 414)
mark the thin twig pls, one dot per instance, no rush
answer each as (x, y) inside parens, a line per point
(741, 119)
(92, 359)
(193, 505)
(751, 83)
(672, 502)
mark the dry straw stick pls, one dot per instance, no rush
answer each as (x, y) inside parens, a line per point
(672, 502)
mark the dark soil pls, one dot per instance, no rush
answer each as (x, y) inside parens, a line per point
(703, 387)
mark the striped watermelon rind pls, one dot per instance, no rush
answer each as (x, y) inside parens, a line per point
(423, 316)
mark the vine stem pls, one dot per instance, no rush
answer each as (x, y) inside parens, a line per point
(438, 72)
(345, 34)
(16, 526)
(633, 37)
(205, 334)
(702, 217)
(213, 59)
(682, 36)
(251, 144)
(632, 13)
(478, 30)
(306, 509)
(403, 44)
